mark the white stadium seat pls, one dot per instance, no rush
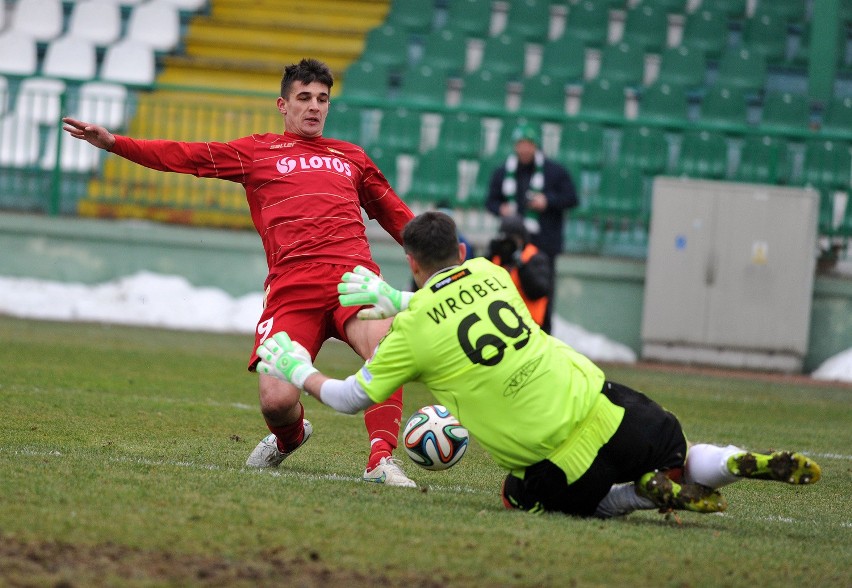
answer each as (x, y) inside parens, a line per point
(129, 62)
(103, 103)
(40, 100)
(99, 21)
(156, 23)
(18, 141)
(18, 53)
(70, 57)
(43, 19)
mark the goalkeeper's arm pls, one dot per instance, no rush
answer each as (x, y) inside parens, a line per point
(362, 287)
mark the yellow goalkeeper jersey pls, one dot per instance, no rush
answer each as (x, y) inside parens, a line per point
(524, 395)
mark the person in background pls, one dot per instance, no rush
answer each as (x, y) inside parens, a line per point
(572, 441)
(305, 194)
(540, 190)
(529, 268)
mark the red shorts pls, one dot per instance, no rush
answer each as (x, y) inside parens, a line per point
(302, 300)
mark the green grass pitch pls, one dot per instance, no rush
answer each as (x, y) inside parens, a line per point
(121, 464)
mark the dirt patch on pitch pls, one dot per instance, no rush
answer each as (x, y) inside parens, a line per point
(64, 565)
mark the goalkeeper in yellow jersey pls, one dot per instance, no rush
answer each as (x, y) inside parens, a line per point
(572, 441)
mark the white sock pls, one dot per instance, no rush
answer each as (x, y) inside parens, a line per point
(621, 500)
(708, 465)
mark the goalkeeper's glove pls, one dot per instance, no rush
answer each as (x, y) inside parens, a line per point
(285, 359)
(361, 287)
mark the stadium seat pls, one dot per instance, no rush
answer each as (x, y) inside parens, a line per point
(706, 31)
(19, 141)
(386, 46)
(366, 79)
(4, 95)
(39, 100)
(155, 23)
(470, 17)
(103, 103)
(664, 104)
(735, 9)
(766, 34)
(838, 115)
(786, 111)
(623, 63)
(399, 130)
(763, 160)
(564, 58)
(344, 122)
(644, 148)
(386, 160)
(827, 164)
(129, 62)
(742, 68)
(791, 11)
(70, 57)
(588, 21)
(504, 55)
(414, 17)
(543, 96)
(462, 135)
(75, 156)
(99, 21)
(423, 86)
(646, 27)
(43, 20)
(702, 154)
(18, 53)
(620, 194)
(435, 178)
(682, 66)
(529, 20)
(581, 146)
(724, 107)
(445, 51)
(484, 90)
(603, 98)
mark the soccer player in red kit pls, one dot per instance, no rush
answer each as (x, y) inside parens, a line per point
(305, 193)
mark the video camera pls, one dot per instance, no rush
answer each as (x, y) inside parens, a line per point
(504, 247)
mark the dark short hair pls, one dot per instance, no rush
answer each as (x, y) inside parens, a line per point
(306, 71)
(432, 240)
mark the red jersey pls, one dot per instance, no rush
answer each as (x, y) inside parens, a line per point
(305, 194)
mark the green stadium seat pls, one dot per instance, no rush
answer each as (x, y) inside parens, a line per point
(620, 194)
(786, 111)
(767, 34)
(461, 135)
(543, 96)
(791, 11)
(399, 130)
(827, 164)
(623, 63)
(603, 98)
(664, 104)
(487, 165)
(838, 115)
(423, 86)
(387, 45)
(588, 21)
(763, 160)
(706, 31)
(385, 160)
(344, 123)
(742, 68)
(682, 66)
(504, 55)
(724, 107)
(529, 20)
(644, 148)
(581, 146)
(435, 178)
(445, 50)
(484, 90)
(469, 17)
(646, 27)
(564, 58)
(735, 9)
(702, 154)
(415, 17)
(366, 80)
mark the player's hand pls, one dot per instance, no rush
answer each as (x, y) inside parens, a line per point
(285, 359)
(361, 287)
(94, 134)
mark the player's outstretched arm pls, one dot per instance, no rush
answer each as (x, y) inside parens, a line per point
(94, 134)
(362, 287)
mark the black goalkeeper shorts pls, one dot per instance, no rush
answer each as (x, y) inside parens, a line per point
(649, 438)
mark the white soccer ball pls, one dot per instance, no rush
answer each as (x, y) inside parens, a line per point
(434, 439)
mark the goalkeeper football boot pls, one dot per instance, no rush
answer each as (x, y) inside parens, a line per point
(783, 466)
(389, 473)
(669, 495)
(267, 455)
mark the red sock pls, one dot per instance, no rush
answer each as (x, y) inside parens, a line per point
(289, 436)
(383, 422)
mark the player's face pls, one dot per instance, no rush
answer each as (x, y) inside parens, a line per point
(305, 108)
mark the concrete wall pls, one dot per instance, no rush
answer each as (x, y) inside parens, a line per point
(603, 295)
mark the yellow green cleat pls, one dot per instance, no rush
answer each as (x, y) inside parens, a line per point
(783, 466)
(669, 495)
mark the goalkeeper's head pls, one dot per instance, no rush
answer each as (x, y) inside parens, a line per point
(431, 244)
